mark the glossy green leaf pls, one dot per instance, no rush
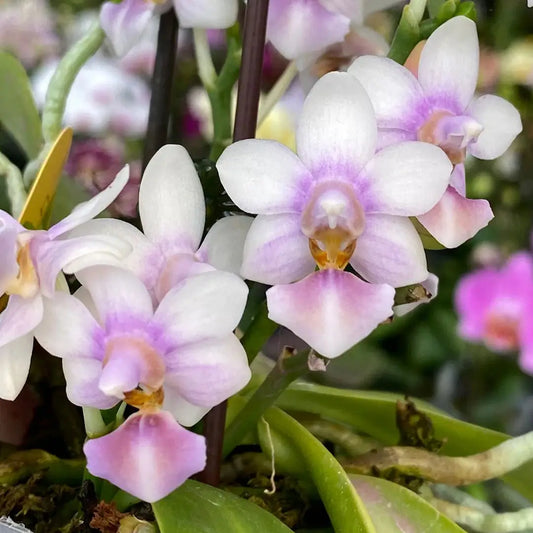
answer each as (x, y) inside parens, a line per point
(374, 413)
(18, 113)
(198, 508)
(345, 509)
(397, 509)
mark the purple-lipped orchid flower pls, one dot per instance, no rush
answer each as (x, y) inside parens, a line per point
(438, 106)
(148, 456)
(185, 346)
(172, 211)
(29, 269)
(298, 28)
(495, 307)
(124, 22)
(336, 202)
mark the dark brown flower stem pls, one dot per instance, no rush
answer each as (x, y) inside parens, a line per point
(157, 130)
(245, 124)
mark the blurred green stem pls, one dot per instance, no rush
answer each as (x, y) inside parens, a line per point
(14, 185)
(289, 367)
(258, 332)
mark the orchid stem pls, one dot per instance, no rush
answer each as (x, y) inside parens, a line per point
(14, 185)
(289, 367)
(279, 89)
(258, 332)
(162, 78)
(204, 61)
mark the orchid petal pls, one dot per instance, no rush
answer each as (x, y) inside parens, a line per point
(148, 456)
(406, 179)
(82, 375)
(89, 209)
(264, 177)
(331, 310)
(185, 412)
(117, 294)
(396, 95)
(208, 14)
(337, 132)
(455, 219)
(68, 329)
(144, 259)
(390, 251)
(208, 372)
(20, 317)
(202, 307)
(223, 245)
(276, 251)
(15, 360)
(74, 254)
(501, 124)
(299, 27)
(449, 63)
(171, 200)
(125, 22)
(9, 267)
(473, 297)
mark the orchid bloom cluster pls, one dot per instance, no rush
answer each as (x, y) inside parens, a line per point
(495, 307)
(380, 151)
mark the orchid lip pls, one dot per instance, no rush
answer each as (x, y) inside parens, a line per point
(26, 283)
(332, 219)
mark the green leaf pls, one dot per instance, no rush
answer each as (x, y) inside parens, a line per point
(345, 508)
(69, 194)
(18, 113)
(198, 508)
(397, 509)
(374, 413)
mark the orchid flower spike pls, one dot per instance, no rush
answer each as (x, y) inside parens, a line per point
(336, 202)
(298, 28)
(124, 22)
(127, 350)
(29, 269)
(495, 307)
(438, 107)
(172, 211)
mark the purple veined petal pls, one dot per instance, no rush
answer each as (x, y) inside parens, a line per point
(68, 328)
(171, 200)
(183, 411)
(406, 179)
(264, 177)
(458, 179)
(431, 285)
(208, 372)
(82, 375)
(390, 251)
(89, 209)
(177, 268)
(455, 219)
(117, 295)
(144, 259)
(473, 297)
(148, 456)
(386, 137)
(501, 124)
(396, 95)
(223, 245)
(125, 22)
(20, 317)
(449, 63)
(201, 307)
(208, 14)
(276, 250)
(337, 132)
(72, 255)
(9, 267)
(15, 360)
(300, 27)
(331, 310)
(7, 221)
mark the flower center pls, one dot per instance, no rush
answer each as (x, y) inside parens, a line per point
(26, 283)
(501, 331)
(147, 401)
(130, 363)
(333, 219)
(453, 133)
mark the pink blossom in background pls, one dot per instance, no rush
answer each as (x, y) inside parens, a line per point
(495, 306)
